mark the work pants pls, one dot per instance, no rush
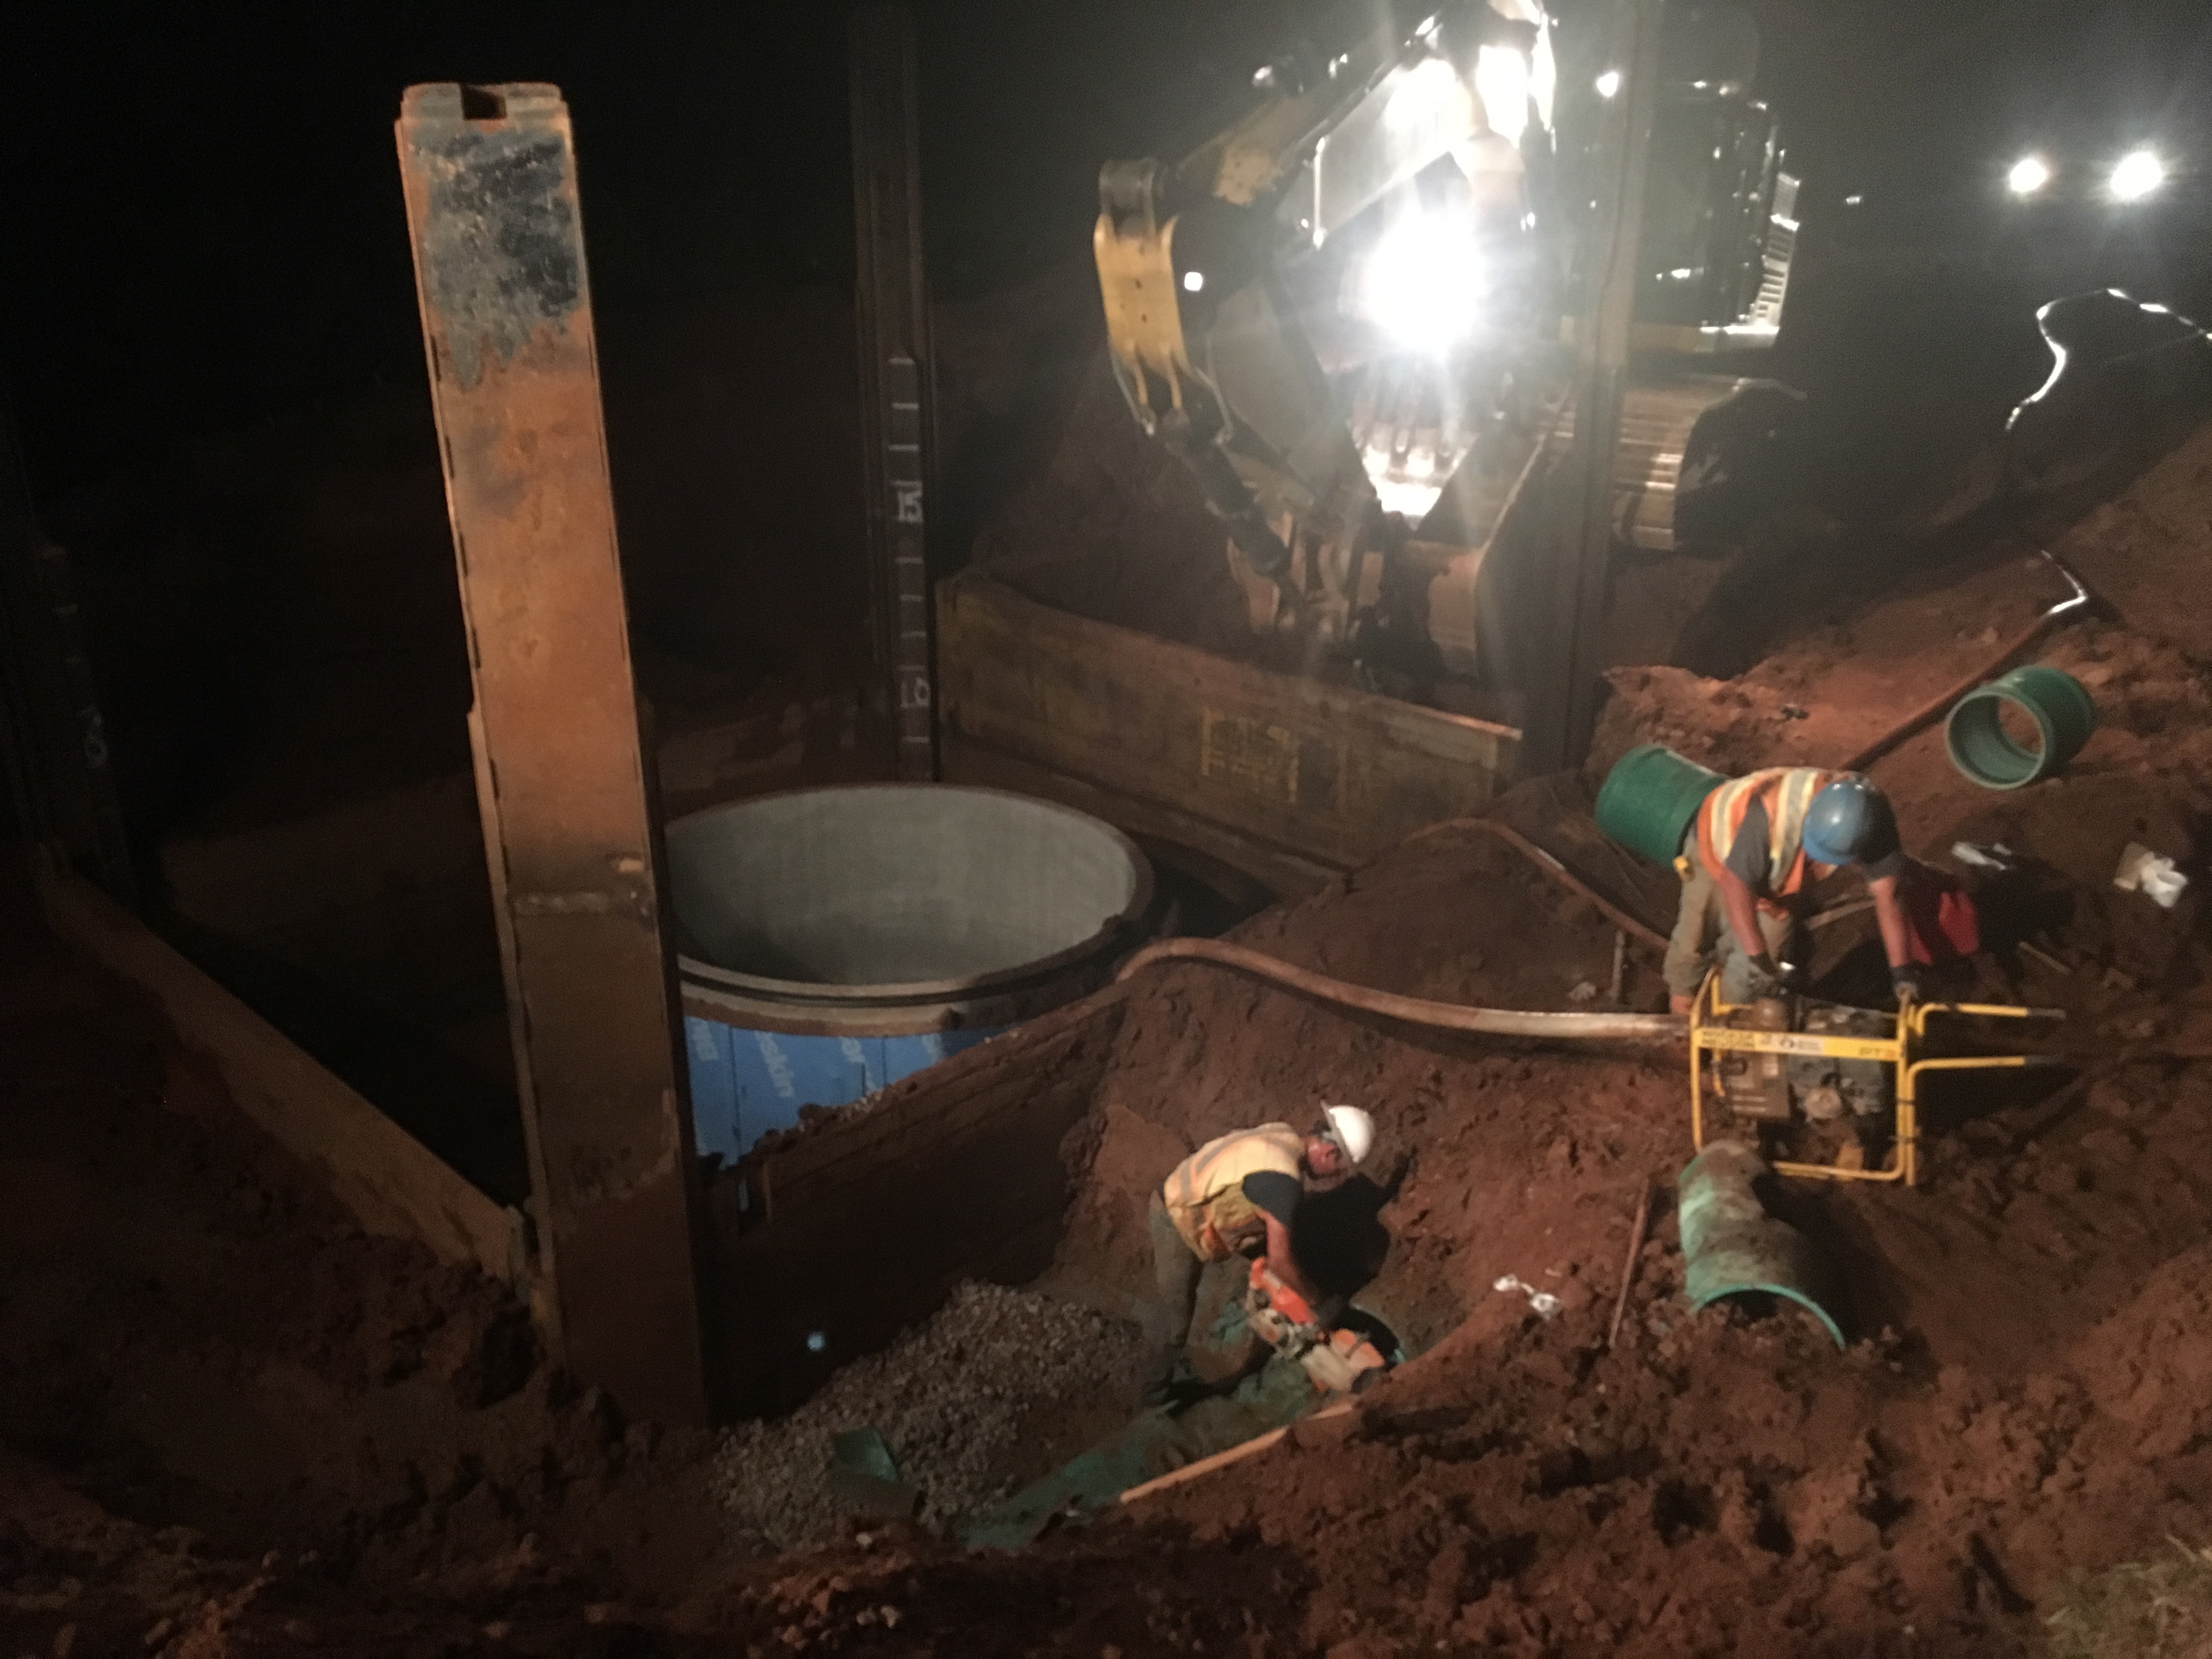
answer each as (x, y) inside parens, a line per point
(1703, 937)
(1176, 1273)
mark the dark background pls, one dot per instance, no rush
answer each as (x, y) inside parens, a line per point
(203, 219)
(211, 345)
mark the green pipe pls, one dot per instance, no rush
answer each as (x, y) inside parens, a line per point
(1732, 1247)
(2061, 706)
(1650, 798)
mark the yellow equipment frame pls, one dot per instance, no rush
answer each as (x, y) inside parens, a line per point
(1900, 1051)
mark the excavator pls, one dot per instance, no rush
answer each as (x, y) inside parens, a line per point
(1350, 313)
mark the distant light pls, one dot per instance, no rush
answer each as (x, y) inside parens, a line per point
(1608, 83)
(2029, 174)
(1853, 201)
(2138, 173)
(816, 1341)
(1683, 273)
(1194, 281)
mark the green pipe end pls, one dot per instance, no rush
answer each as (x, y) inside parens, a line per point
(2065, 714)
(1732, 1247)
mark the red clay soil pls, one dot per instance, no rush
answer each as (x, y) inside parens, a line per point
(192, 1343)
(225, 1413)
(1114, 528)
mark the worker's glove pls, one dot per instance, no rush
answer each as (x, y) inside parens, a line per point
(1904, 984)
(1765, 979)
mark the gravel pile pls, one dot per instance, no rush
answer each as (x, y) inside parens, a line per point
(949, 1398)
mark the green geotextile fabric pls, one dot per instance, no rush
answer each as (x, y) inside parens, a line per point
(1156, 1444)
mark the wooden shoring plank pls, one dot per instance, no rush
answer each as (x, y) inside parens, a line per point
(1282, 871)
(389, 1182)
(1327, 772)
(570, 833)
(998, 1069)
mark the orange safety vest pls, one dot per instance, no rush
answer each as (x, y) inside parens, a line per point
(1787, 792)
(1205, 1196)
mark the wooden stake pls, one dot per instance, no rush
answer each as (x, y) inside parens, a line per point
(1223, 1459)
(1628, 1267)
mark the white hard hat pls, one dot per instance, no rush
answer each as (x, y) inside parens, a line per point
(1351, 1129)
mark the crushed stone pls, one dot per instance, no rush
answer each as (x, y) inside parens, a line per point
(949, 1398)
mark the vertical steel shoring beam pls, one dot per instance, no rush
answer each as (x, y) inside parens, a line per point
(1563, 711)
(891, 318)
(561, 770)
(59, 762)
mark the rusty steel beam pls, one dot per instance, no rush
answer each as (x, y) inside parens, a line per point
(891, 315)
(569, 827)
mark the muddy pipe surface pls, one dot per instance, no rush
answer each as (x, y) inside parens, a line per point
(1414, 1011)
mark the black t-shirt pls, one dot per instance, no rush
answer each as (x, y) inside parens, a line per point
(1276, 1192)
(1747, 859)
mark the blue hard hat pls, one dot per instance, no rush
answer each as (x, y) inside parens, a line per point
(1846, 821)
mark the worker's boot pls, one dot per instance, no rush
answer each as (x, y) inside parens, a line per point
(1171, 1381)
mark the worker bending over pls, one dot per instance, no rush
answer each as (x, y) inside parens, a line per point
(1238, 1195)
(1749, 862)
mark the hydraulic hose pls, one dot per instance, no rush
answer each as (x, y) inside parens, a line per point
(1414, 1011)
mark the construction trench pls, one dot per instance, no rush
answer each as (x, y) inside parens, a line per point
(382, 1271)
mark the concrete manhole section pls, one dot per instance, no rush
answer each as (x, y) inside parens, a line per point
(834, 940)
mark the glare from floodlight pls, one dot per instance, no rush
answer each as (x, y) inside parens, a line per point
(1501, 81)
(1422, 284)
(2029, 174)
(2137, 174)
(1608, 83)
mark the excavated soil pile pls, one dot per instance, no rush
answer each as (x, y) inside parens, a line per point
(230, 1422)
(2022, 1402)
(1490, 1162)
(1114, 528)
(199, 1363)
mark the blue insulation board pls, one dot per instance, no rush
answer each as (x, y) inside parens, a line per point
(745, 1082)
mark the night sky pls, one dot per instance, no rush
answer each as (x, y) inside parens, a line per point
(204, 224)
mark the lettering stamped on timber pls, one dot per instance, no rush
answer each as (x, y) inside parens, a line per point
(1249, 755)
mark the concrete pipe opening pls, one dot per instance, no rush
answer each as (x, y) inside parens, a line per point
(831, 941)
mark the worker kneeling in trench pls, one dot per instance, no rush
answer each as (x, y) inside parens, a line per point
(1238, 1195)
(1748, 863)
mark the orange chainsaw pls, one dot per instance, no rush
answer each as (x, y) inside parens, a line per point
(1338, 1361)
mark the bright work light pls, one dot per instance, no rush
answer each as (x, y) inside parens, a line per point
(2136, 175)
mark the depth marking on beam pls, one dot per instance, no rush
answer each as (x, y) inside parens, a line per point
(892, 315)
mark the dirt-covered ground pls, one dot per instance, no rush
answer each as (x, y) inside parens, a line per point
(231, 1425)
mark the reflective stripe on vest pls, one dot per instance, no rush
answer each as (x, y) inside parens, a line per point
(1787, 793)
(1205, 1196)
